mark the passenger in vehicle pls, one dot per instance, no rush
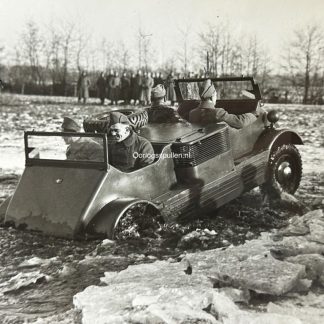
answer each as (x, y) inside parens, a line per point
(159, 112)
(206, 113)
(80, 148)
(127, 151)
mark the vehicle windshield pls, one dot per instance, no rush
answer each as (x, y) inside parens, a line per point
(72, 147)
(228, 90)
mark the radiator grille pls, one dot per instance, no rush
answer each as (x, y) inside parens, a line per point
(196, 153)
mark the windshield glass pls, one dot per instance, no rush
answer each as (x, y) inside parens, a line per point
(65, 146)
(229, 90)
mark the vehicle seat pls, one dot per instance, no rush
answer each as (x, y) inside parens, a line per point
(162, 114)
(237, 107)
(186, 106)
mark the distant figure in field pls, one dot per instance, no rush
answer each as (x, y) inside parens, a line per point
(125, 88)
(137, 87)
(169, 85)
(1, 85)
(83, 87)
(114, 85)
(80, 148)
(101, 87)
(147, 84)
(132, 95)
(158, 79)
(109, 76)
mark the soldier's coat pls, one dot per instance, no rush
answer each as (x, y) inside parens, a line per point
(121, 154)
(85, 149)
(206, 113)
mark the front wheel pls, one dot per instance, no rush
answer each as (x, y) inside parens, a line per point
(284, 170)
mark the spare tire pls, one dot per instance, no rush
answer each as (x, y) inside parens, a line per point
(99, 123)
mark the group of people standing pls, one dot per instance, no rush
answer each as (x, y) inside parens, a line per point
(130, 88)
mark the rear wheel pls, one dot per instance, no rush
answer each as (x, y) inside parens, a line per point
(140, 220)
(284, 171)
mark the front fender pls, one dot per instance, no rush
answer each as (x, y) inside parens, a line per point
(272, 138)
(106, 220)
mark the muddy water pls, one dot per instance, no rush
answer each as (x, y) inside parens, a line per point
(61, 268)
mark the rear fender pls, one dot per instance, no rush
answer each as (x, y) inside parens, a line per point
(106, 220)
(270, 139)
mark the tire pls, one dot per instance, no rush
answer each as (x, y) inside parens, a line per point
(99, 123)
(284, 171)
(141, 220)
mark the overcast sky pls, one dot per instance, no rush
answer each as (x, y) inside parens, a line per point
(271, 20)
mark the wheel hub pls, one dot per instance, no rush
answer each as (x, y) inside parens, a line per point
(284, 171)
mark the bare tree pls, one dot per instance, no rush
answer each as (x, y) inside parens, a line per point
(252, 55)
(303, 59)
(227, 52)
(147, 51)
(211, 43)
(255, 59)
(125, 56)
(82, 39)
(1, 57)
(144, 47)
(106, 49)
(67, 34)
(52, 50)
(183, 54)
(218, 40)
(19, 72)
(32, 47)
(66, 48)
(232, 54)
(1, 52)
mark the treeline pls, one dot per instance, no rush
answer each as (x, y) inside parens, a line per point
(49, 59)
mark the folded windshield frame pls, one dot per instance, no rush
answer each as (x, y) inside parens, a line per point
(251, 86)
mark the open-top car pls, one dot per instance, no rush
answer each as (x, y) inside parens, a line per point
(195, 168)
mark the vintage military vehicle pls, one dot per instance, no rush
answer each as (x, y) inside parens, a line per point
(195, 169)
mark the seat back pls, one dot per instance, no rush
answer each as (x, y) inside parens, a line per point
(237, 107)
(186, 106)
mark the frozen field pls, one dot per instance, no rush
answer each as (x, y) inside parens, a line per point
(61, 260)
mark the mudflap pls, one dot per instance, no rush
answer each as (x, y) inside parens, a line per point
(52, 199)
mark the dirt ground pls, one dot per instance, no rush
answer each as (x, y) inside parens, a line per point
(70, 266)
